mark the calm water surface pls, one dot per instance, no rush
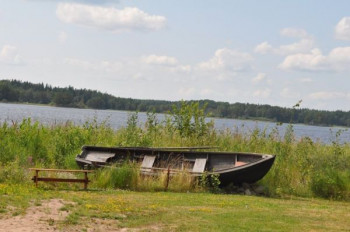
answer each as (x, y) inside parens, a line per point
(55, 115)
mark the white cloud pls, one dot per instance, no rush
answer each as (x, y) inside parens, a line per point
(109, 66)
(260, 77)
(83, 1)
(182, 69)
(146, 68)
(227, 60)
(340, 58)
(160, 60)
(9, 55)
(109, 18)
(167, 64)
(306, 80)
(294, 33)
(264, 93)
(313, 61)
(328, 95)
(337, 60)
(77, 62)
(186, 92)
(263, 48)
(105, 66)
(342, 29)
(305, 44)
(206, 92)
(62, 37)
(285, 92)
(288, 93)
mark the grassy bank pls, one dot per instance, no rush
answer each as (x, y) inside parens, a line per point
(302, 167)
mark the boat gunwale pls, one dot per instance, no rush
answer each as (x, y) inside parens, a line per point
(180, 151)
(221, 171)
(226, 170)
(264, 157)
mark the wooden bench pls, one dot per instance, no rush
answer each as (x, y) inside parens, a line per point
(36, 177)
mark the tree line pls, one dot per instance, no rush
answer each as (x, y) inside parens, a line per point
(26, 92)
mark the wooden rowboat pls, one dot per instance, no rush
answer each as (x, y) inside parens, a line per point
(232, 167)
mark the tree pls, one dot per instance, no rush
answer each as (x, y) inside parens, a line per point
(63, 99)
(96, 103)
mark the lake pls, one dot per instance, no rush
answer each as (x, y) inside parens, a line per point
(116, 119)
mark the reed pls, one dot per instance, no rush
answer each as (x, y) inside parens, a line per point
(125, 176)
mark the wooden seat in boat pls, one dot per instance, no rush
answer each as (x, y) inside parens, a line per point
(147, 163)
(199, 165)
(239, 163)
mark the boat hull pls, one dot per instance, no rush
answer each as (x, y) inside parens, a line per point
(250, 173)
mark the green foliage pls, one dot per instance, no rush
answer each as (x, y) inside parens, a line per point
(124, 177)
(13, 173)
(189, 120)
(330, 184)
(63, 98)
(128, 176)
(331, 177)
(182, 182)
(210, 182)
(96, 103)
(32, 144)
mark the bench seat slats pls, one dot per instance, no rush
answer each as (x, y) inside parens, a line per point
(49, 179)
(60, 170)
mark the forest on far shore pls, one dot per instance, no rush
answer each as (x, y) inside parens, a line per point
(26, 92)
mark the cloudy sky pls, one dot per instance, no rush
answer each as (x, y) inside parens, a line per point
(266, 52)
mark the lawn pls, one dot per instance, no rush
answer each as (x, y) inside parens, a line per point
(166, 211)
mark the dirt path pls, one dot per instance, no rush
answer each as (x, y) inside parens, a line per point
(48, 217)
(37, 218)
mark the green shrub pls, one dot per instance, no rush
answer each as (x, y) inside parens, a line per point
(330, 184)
(12, 172)
(209, 182)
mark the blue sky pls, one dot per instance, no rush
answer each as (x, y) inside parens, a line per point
(265, 52)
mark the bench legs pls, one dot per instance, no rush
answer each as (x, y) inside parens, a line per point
(36, 177)
(86, 181)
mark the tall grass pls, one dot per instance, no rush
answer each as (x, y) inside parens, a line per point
(127, 176)
(302, 167)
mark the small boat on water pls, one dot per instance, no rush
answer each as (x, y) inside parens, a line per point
(232, 167)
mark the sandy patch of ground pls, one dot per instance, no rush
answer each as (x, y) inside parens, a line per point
(141, 229)
(102, 225)
(95, 225)
(37, 218)
(49, 216)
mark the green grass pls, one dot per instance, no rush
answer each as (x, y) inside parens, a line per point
(127, 176)
(184, 211)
